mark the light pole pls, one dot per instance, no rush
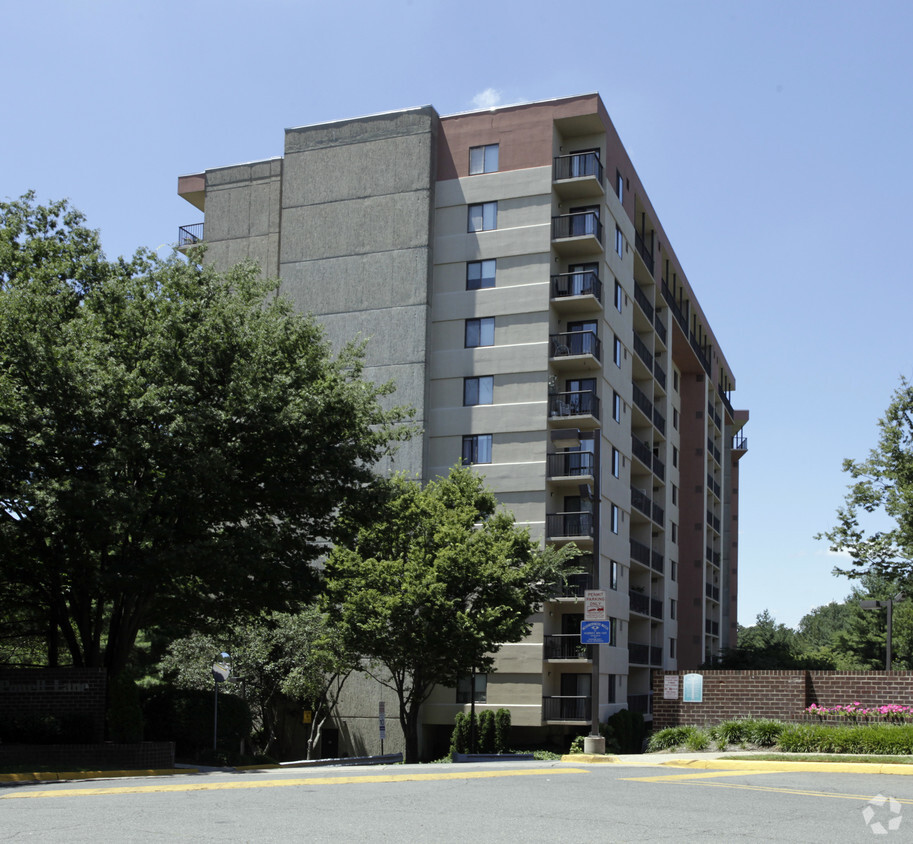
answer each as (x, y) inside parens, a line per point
(889, 604)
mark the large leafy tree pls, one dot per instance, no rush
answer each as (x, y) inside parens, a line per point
(174, 442)
(881, 493)
(277, 659)
(433, 588)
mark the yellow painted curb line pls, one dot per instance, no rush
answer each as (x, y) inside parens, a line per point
(61, 776)
(590, 758)
(796, 767)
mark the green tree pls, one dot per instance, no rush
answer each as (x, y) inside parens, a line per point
(175, 442)
(882, 491)
(280, 659)
(435, 586)
(766, 645)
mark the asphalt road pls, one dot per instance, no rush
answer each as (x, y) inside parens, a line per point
(491, 802)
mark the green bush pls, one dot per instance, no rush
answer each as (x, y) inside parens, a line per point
(764, 732)
(730, 732)
(125, 715)
(698, 740)
(668, 738)
(628, 731)
(459, 740)
(502, 731)
(485, 740)
(875, 739)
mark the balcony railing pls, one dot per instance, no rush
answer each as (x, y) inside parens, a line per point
(678, 311)
(643, 352)
(725, 399)
(712, 592)
(645, 654)
(712, 628)
(660, 374)
(565, 646)
(641, 298)
(659, 468)
(646, 252)
(739, 443)
(641, 401)
(576, 284)
(641, 703)
(189, 235)
(658, 515)
(656, 607)
(576, 343)
(640, 552)
(579, 224)
(657, 561)
(641, 451)
(566, 708)
(574, 403)
(577, 584)
(577, 165)
(640, 603)
(660, 327)
(569, 524)
(659, 421)
(570, 464)
(641, 501)
(701, 352)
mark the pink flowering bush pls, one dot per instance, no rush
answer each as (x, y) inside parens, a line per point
(855, 711)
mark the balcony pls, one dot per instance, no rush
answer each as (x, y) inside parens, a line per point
(712, 628)
(575, 349)
(641, 298)
(577, 234)
(565, 646)
(680, 312)
(725, 399)
(577, 465)
(646, 556)
(642, 402)
(576, 584)
(659, 374)
(640, 603)
(641, 703)
(645, 654)
(660, 327)
(574, 407)
(739, 443)
(700, 351)
(645, 250)
(577, 292)
(643, 352)
(712, 592)
(578, 175)
(567, 708)
(190, 235)
(578, 525)
(641, 501)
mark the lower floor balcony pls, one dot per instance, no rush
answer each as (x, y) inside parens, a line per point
(641, 703)
(639, 654)
(567, 708)
(564, 646)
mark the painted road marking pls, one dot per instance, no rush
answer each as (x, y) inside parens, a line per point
(216, 786)
(703, 779)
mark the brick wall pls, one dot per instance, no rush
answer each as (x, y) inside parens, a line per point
(63, 692)
(783, 695)
(144, 756)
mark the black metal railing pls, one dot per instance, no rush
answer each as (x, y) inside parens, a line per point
(712, 592)
(660, 327)
(641, 703)
(577, 584)
(641, 501)
(640, 603)
(659, 421)
(643, 352)
(188, 235)
(570, 464)
(656, 607)
(641, 401)
(678, 311)
(700, 351)
(739, 443)
(566, 708)
(576, 284)
(638, 654)
(569, 524)
(658, 515)
(660, 374)
(657, 561)
(641, 298)
(579, 224)
(641, 451)
(565, 646)
(576, 343)
(656, 655)
(725, 398)
(577, 166)
(574, 403)
(640, 552)
(659, 468)
(712, 628)
(646, 252)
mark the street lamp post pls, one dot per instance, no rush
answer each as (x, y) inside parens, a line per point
(889, 604)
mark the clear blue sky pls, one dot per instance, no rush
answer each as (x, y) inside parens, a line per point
(774, 139)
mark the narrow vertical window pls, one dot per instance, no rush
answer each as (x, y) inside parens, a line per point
(616, 407)
(616, 462)
(613, 575)
(614, 518)
(619, 186)
(673, 608)
(618, 297)
(619, 242)
(616, 353)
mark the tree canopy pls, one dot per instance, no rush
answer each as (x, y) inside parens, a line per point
(882, 491)
(434, 586)
(175, 442)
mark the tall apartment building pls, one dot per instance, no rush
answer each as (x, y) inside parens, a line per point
(513, 278)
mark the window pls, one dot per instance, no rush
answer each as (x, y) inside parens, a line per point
(619, 186)
(672, 649)
(616, 353)
(483, 217)
(674, 532)
(675, 418)
(483, 159)
(675, 457)
(673, 607)
(675, 380)
(614, 517)
(611, 679)
(613, 631)
(674, 495)
(585, 220)
(619, 242)
(616, 407)
(674, 570)
(616, 462)
(613, 575)
(464, 689)
(476, 449)
(480, 275)
(480, 332)
(618, 297)
(478, 390)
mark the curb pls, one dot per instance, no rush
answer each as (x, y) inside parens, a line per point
(796, 767)
(590, 759)
(64, 776)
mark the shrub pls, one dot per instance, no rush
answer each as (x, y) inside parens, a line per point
(459, 740)
(628, 730)
(669, 737)
(764, 732)
(698, 740)
(502, 731)
(485, 741)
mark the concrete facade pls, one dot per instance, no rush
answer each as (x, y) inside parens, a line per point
(510, 274)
